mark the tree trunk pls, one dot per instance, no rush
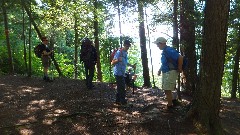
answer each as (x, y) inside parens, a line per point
(76, 48)
(51, 46)
(10, 60)
(187, 33)
(31, 19)
(235, 71)
(207, 101)
(142, 36)
(29, 44)
(24, 41)
(176, 39)
(119, 23)
(99, 71)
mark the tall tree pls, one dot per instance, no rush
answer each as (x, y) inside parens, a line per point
(30, 43)
(235, 75)
(142, 36)
(187, 39)
(10, 60)
(235, 72)
(76, 46)
(24, 38)
(175, 41)
(207, 102)
(96, 27)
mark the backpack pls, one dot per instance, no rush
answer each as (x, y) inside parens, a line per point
(170, 62)
(88, 54)
(114, 52)
(38, 50)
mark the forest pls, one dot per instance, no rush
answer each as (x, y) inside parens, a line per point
(207, 33)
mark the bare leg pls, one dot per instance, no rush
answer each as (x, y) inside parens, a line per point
(169, 97)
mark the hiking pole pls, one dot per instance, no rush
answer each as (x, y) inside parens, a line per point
(134, 71)
(52, 69)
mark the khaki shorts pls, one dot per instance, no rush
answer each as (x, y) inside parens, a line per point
(46, 60)
(169, 80)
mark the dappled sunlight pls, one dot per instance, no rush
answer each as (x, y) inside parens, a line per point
(28, 90)
(37, 105)
(80, 128)
(26, 132)
(59, 112)
(115, 110)
(27, 120)
(48, 121)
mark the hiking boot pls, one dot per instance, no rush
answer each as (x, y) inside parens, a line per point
(118, 103)
(176, 102)
(124, 103)
(48, 80)
(170, 108)
(121, 103)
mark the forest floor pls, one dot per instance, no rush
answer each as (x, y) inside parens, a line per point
(65, 107)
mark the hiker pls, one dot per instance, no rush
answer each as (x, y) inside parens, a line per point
(120, 62)
(88, 56)
(46, 58)
(171, 66)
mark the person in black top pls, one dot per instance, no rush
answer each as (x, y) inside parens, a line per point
(46, 58)
(88, 56)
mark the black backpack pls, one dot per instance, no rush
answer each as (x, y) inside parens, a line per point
(38, 50)
(88, 52)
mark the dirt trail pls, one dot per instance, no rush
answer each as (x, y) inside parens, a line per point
(66, 107)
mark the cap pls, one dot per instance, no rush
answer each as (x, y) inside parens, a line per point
(160, 40)
(127, 42)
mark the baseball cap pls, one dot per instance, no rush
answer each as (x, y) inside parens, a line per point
(127, 42)
(160, 40)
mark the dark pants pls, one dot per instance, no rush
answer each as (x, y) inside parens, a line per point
(89, 72)
(121, 93)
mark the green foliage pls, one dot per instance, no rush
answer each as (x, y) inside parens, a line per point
(57, 19)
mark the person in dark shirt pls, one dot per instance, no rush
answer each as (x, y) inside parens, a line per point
(46, 58)
(88, 56)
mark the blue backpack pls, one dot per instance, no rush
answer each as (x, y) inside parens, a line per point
(170, 61)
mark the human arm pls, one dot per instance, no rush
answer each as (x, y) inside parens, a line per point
(117, 57)
(114, 61)
(47, 53)
(46, 50)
